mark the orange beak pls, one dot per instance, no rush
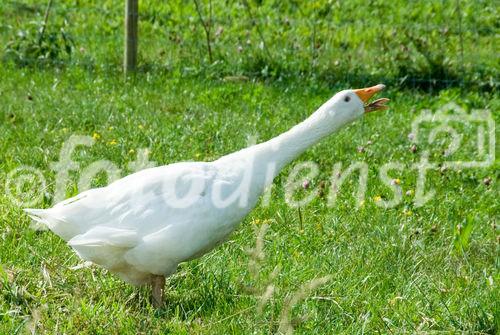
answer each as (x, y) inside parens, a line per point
(366, 93)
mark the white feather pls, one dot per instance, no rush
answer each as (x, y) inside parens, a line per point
(137, 227)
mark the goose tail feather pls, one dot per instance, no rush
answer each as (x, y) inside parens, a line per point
(44, 219)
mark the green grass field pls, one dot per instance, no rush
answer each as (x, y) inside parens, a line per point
(408, 269)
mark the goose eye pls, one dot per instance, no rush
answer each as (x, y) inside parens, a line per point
(347, 98)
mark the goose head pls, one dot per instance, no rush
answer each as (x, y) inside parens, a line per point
(349, 105)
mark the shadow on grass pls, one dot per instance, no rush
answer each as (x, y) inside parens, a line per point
(195, 294)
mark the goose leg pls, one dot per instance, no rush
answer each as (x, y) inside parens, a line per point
(158, 284)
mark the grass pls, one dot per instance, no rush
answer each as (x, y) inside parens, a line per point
(407, 269)
(329, 41)
(393, 270)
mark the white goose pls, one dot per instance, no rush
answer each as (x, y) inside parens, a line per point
(142, 226)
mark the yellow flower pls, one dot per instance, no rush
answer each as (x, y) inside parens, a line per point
(396, 181)
(111, 128)
(407, 212)
(377, 198)
(113, 142)
(256, 221)
(394, 300)
(261, 221)
(96, 136)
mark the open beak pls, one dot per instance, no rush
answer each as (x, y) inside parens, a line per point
(366, 93)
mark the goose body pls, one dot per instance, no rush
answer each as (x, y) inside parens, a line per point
(131, 228)
(143, 225)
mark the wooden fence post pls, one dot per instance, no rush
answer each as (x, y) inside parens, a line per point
(131, 28)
